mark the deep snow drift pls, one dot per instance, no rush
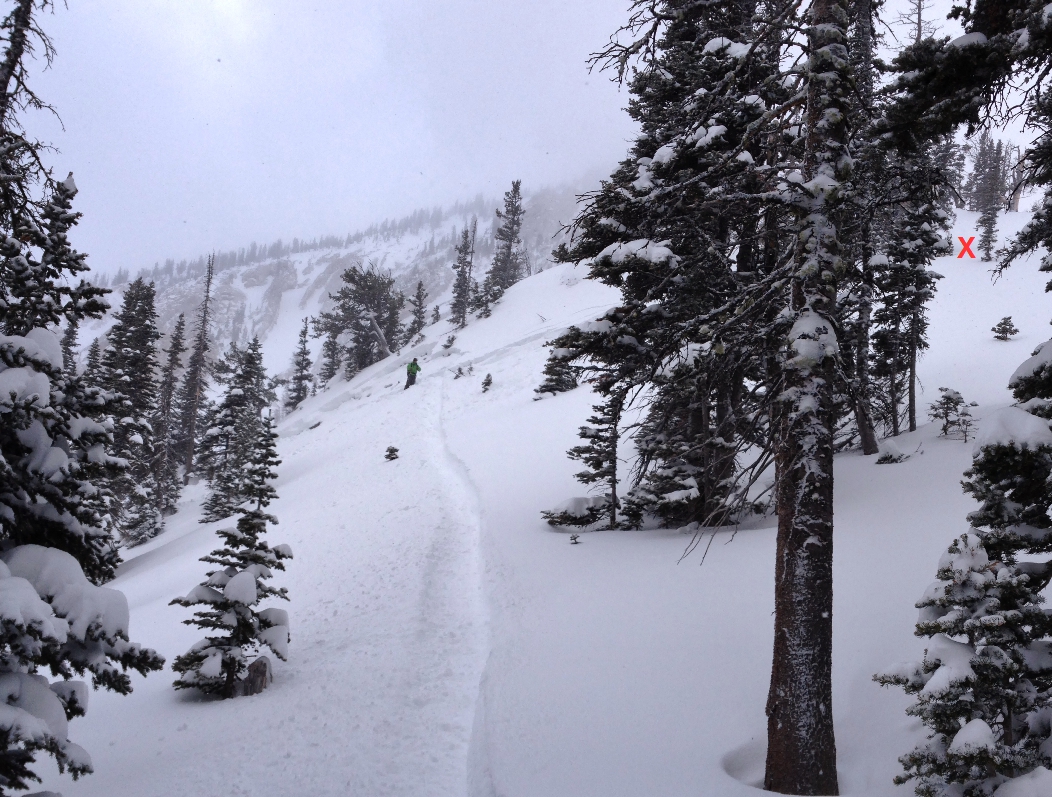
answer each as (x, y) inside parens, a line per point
(445, 641)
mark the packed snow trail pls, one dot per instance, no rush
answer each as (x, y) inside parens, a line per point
(378, 695)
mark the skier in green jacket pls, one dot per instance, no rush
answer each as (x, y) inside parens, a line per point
(411, 371)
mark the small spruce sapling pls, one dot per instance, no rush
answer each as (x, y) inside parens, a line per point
(487, 383)
(599, 454)
(231, 594)
(449, 342)
(392, 453)
(458, 373)
(948, 411)
(436, 315)
(1005, 329)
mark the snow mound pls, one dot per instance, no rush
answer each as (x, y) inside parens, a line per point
(1033, 784)
(976, 735)
(955, 665)
(57, 576)
(1041, 357)
(1012, 426)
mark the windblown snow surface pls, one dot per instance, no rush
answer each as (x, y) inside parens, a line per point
(446, 641)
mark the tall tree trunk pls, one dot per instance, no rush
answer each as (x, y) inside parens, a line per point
(17, 26)
(863, 417)
(912, 386)
(862, 41)
(801, 746)
(615, 431)
(381, 339)
(895, 384)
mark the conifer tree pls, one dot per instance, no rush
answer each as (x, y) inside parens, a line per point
(191, 398)
(231, 426)
(754, 307)
(331, 356)
(367, 310)
(509, 259)
(950, 410)
(987, 231)
(231, 593)
(129, 366)
(54, 483)
(984, 687)
(93, 366)
(1005, 329)
(436, 316)
(302, 381)
(599, 454)
(904, 285)
(464, 287)
(69, 347)
(418, 317)
(167, 466)
(559, 375)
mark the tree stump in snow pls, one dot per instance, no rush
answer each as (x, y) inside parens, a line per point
(258, 678)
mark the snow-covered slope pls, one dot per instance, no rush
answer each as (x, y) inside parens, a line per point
(445, 641)
(268, 291)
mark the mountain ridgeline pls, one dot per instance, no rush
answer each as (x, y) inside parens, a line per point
(264, 291)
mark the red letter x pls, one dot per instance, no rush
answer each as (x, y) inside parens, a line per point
(966, 247)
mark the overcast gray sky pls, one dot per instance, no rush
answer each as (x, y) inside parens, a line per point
(200, 124)
(193, 124)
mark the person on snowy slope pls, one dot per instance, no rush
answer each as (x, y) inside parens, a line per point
(411, 371)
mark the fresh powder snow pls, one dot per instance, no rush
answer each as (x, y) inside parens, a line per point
(447, 641)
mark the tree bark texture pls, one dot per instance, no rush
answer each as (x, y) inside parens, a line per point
(801, 746)
(18, 24)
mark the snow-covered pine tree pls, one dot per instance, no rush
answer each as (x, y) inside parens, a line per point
(801, 751)
(167, 467)
(93, 364)
(331, 355)
(302, 381)
(599, 455)
(436, 316)
(129, 366)
(560, 375)
(704, 139)
(987, 225)
(487, 383)
(1005, 329)
(191, 398)
(855, 306)
(418, 314)
(366, 313)
(232, 424)
(509, 260)
(904, 286)
(984, 687)
(948, 411)
(69, 347)
(231, 594)
(54, 491)
(464, 286)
